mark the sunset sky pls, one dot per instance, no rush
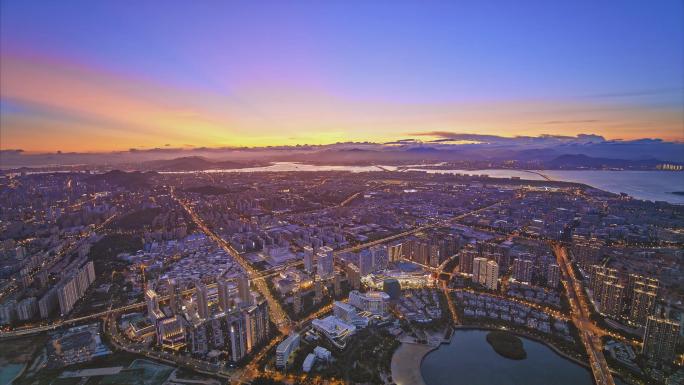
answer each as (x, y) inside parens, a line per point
(100, 76)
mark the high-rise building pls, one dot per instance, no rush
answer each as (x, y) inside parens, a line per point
(598, 277)
(448, 246)
(395, 252)
(27, 308)
(244, 293)
(8, 312)
(226, 292)
(74, 286)
(435, 255)
(152, 301)
(552, 275)
(197, 338)
(216, 332)
(318, 291)
(90, 271)
(308, 259)
(587, 254)
(408, 248)
(612, 299)
(175, 296)
(492, 275)
(67, 294)
(643, 303)
(637, 281)
(380, 257)
(202, 294)
(465, 261)
(480, 270)
(238, 338)
(641, 293)
(522, 270)
(660, 339)
(365, 262)
(337, 284)
(421, 251)
(324, 267)
(297, 301)
(354, 276)
(48, 303)
(256, 324)
(85, 276)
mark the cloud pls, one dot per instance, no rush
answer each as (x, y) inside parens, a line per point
(447, 136)
(570, 121)
(637, 93)
(402, 141)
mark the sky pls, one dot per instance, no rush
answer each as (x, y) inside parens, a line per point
(103, 76)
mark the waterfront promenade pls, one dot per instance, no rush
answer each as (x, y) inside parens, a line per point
(406, 363)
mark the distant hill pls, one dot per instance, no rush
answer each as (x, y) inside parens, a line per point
(576, 161)
(197, 163)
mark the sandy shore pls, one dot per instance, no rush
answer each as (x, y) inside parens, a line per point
(406, 363)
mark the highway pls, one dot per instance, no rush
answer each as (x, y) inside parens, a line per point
(580, 315)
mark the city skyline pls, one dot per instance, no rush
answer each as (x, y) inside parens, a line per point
(103, 77)
(342, 192)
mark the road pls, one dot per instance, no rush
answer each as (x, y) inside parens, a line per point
(278, 315)
(579, 312)
(112, 330)
(439, 223)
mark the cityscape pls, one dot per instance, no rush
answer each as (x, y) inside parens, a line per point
(204, 220)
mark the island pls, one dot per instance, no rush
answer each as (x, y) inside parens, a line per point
(507, 345)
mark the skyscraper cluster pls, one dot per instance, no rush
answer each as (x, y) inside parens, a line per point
(632, 298)
(228, 318)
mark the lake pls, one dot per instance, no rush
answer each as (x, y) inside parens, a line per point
(470, 360)
(8, 372)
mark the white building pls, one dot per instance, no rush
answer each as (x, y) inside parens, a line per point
(348, 314)
(334, 329)
(285, 349)
(322, 353)
(492, 275)
(325, 262)
(374, 302)
(309, 362)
